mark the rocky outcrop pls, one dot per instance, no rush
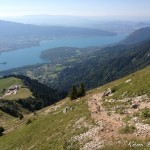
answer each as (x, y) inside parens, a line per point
(129, 80)
(107, 92)
(90, 139)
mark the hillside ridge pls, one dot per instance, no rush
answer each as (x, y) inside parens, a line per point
(137, 36)
(20, 94)
(15, 36)
(114, 115)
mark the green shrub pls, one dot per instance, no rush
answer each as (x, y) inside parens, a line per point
(145, 113)
(20, 116)
(28, 121)
(1, 131)
(113, 89)
(128, 129)
(71, 145)
(127, 118)
(120, 110)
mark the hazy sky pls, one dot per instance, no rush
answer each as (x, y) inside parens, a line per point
(120, 8)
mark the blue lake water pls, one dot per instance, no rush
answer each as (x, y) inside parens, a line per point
(30, 56)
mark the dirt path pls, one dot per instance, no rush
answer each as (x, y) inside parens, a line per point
(111, 124)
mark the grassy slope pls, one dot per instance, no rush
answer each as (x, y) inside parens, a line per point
(7, 120)
(48, 131)
(6, 83)
(139, 85)
(51, 131)
(22, 93)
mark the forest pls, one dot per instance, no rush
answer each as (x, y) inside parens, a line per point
(42, 96)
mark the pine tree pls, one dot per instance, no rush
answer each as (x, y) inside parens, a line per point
(73, 93)
(81, 90)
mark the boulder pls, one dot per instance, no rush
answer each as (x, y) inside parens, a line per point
(107, 92)
(65, 109)
(127, 81)
(134, 105)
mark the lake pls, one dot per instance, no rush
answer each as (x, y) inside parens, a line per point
(30, 56)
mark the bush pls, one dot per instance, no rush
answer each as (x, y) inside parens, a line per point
(28, 121)
(113, 89)
(145, 113)
(128, 129)
(1, 131)
(10, 107)
(120, 110)
(20, 116)
(71, 145)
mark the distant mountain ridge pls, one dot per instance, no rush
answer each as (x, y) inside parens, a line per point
(17, 35)
(137, 36)
(94, 22)
(13, 29)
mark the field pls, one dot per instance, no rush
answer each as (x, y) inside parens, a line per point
(22, 93)
(6, 83)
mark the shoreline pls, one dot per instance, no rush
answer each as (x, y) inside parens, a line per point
(38, 43)
(31, 55)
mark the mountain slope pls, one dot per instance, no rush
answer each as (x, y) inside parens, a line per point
(60, 54)
(104, 66)
(138, 36)
(68, 124)
(93, 69)
(20, 95)
(16, 35)
(49, 128)
(12, 30)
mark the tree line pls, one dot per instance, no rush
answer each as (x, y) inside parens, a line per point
(76, 93)
(42, 96)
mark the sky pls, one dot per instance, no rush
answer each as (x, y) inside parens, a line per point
(105, 8)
